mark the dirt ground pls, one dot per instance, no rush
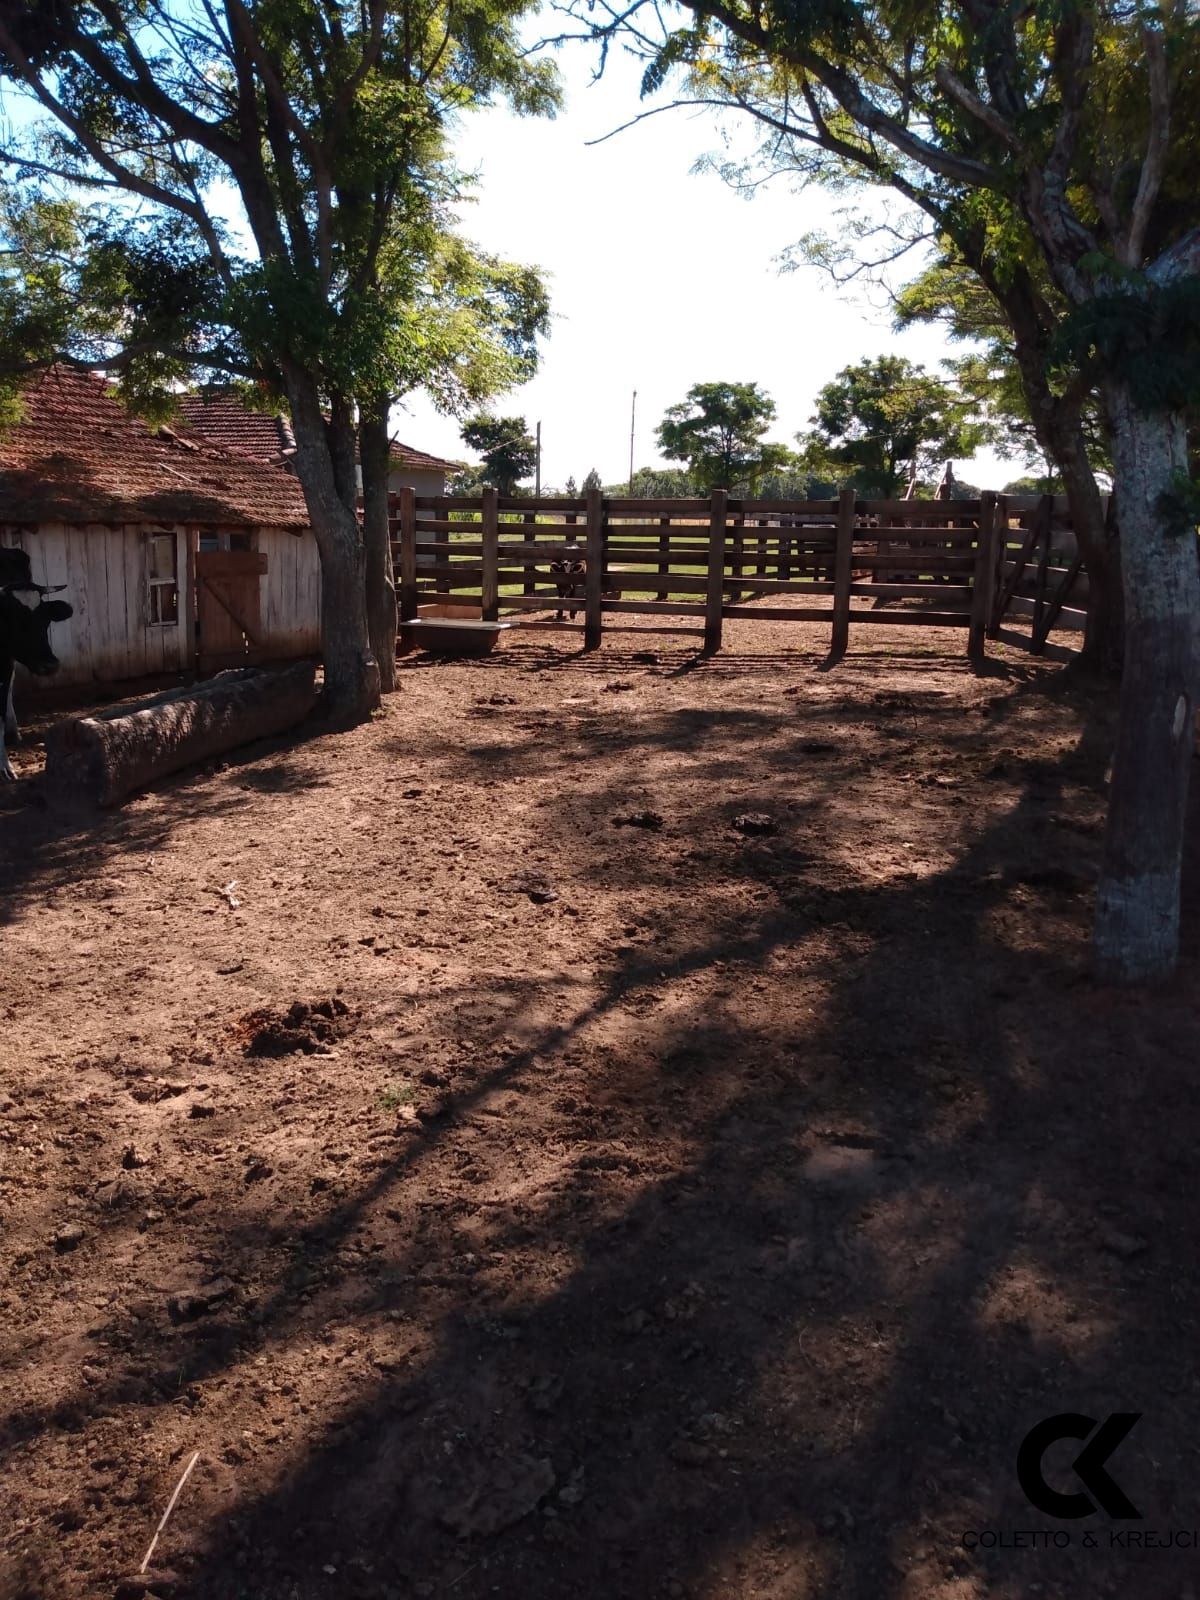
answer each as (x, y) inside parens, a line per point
(612, 1126)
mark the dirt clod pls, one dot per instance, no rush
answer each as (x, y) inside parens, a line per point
(535, 885)
(507, 1490)
(307, 1028)
(755, 823)
(202, 1301)
(639, 819)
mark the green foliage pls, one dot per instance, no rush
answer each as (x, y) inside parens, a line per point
(658, 483)
(1179, 507)
(591, 481)
(882, 420)
(1145, 334)
(309, 227)
(1050, 483)
(508, 449)
(719, 431)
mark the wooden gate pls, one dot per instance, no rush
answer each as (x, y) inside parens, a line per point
(228, 608)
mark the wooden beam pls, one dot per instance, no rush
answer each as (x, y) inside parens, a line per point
(714, 595)
(491, 557)
(1009, 587)
(593, 578)
(408, 553)
(983, 584)
(1053, 607)
(843, 562)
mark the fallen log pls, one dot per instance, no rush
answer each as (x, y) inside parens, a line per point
(98, 760)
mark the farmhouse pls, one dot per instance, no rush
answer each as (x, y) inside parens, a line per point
(181, 548)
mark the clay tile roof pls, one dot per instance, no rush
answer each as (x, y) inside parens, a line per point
(404, 456)
(227, 420)
(78, 456)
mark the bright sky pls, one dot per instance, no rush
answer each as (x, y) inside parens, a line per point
(660, 278)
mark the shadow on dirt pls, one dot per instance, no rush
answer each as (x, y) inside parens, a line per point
(850, 1186)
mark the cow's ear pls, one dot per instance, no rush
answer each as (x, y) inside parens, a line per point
(57, 610)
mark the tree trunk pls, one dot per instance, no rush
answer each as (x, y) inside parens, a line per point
(351, 690)
(99, 760)
(373, 451)
(1096, 532)
(1137, 910)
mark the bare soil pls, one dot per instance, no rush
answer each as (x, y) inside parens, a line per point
(613, 1125)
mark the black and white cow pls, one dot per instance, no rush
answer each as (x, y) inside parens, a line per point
(15, 572)
(24, 638)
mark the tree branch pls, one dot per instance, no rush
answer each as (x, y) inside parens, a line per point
(975, 107)
(1150, 179)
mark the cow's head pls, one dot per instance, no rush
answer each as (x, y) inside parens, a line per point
(14, 566)
(25, 631)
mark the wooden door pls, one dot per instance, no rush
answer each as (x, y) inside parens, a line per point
(228, 608)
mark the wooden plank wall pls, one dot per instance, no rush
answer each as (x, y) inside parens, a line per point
(104, 569)
(291, 594)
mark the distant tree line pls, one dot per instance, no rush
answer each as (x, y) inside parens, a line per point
(881, 425)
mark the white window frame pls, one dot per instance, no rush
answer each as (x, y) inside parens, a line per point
(155, 585)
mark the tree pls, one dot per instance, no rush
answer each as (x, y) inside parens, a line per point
(288, 164)
(884, 421)
(475, 324)
(572, 489)
(592, 481)
(508, 449)
(657, 483)
(719, 432)
(1055, 144)
(1035, 406)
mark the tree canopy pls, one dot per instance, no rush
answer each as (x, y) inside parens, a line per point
(884, 421)
(508, 449)
(263, 189)
(719, 432)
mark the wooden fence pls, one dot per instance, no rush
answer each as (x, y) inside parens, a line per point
(695, 563)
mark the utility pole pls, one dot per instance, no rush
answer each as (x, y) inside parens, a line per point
(537, 474)
(632, 427)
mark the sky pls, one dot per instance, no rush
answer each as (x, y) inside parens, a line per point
(660, 277)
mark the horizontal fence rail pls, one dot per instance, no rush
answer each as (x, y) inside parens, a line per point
(554, 562)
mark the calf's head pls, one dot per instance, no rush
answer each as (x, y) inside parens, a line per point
(25, 632)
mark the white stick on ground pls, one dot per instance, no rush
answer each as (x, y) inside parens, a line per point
(187, 1472)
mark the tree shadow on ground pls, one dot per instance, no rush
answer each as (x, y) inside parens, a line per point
(847, 1177)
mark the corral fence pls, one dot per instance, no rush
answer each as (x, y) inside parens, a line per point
(994, 567)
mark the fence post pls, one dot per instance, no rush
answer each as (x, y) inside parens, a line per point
(408, 554)
(529, 583)
(984, 580)
(490, 587)
(714, 593)
(1045, 533)
(593, 578)
(999, 561)
(843, 563)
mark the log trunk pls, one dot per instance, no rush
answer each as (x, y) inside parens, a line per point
(351, 690)
(1137, 910)
(97, 761)
(373, 450)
